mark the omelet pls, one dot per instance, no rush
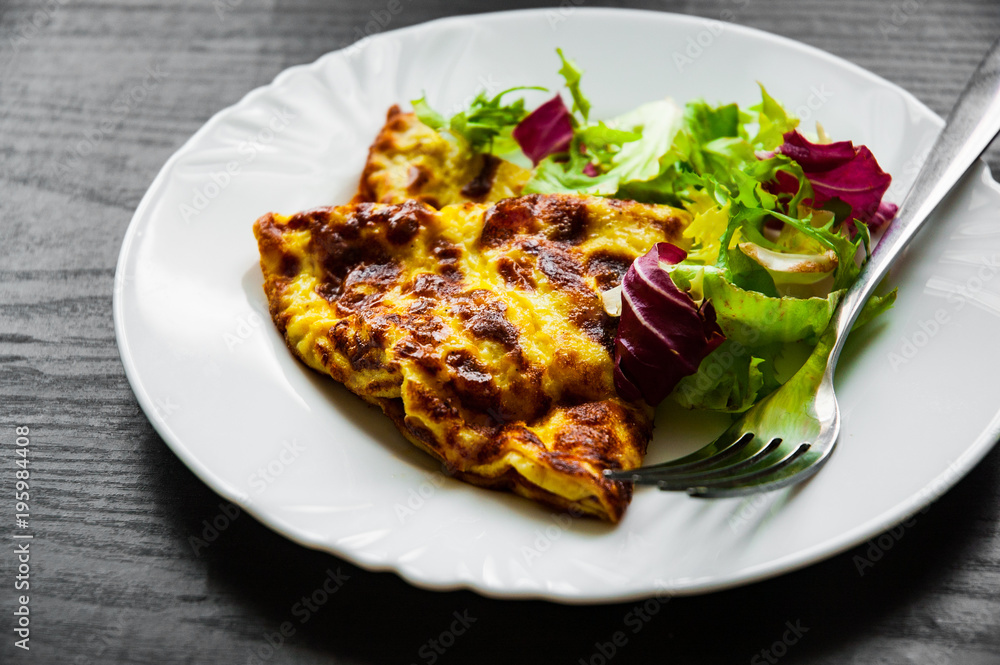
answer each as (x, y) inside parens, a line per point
(411, 161)
(477, 328)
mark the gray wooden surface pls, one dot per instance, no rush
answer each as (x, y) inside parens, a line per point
(113, 576)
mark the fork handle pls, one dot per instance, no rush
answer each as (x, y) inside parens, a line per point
(972, 124)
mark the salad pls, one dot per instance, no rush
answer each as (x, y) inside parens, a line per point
(781, 223)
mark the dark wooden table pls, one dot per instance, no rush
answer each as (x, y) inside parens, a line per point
(113, 577)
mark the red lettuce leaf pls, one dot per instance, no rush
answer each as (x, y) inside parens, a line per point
(545, 131)
(838, 171)
(816, 157)
(884, 214)
(663, 335)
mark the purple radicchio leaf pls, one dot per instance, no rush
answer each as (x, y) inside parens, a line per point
(545, 131)
(663, 335)
(841, 171)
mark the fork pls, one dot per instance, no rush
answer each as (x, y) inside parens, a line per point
(788, 436)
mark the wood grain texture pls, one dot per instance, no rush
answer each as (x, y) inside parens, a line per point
(114, 577)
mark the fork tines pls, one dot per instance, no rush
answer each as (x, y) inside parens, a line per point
(726, 470)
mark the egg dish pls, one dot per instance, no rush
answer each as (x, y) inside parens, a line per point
(477, 328)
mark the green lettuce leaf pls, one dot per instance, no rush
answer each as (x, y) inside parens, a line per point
(428, 115)
(626, 149)
(572, 74)
(755, 319)
(729, 379)
(760, 331)
(772, 121)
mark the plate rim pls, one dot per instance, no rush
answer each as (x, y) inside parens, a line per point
(947, 479)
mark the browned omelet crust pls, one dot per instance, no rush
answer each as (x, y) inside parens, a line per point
(478, 329)
(411, 161)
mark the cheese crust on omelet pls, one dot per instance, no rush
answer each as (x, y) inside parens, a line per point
(477, 328)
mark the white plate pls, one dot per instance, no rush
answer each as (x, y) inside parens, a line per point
(314, 463)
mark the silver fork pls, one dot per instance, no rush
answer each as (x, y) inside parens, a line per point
(787, 436)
